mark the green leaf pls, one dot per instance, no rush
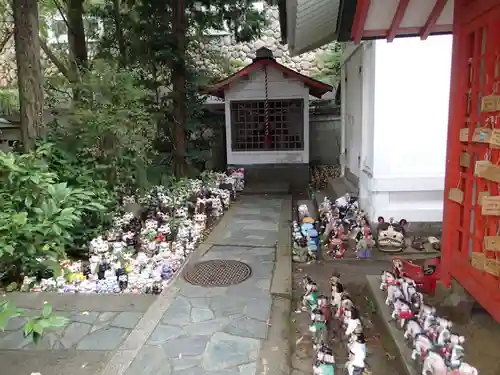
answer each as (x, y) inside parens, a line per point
(47, 310)
(56, 229)
(9, 249)
(28, 327)
(20, 218)
(36, 337)
(28, 201)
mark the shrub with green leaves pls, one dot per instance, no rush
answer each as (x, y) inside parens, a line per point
(38, 214)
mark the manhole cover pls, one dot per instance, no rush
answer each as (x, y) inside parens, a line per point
(218, 273)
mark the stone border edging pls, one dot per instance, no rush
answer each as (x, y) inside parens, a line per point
(395, 334)
(128, 350)
(275, 352)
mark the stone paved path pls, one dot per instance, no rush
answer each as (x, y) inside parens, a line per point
(209, 331)
(98, 326)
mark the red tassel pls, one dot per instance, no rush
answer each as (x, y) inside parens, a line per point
(268, 139)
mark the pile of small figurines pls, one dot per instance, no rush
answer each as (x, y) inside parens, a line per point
(145, 248)
(438, 349)
(338, 224)
(325, 310)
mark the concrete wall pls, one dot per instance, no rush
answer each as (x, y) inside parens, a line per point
(324, 138)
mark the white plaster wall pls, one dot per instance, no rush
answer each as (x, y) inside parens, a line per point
(411, 94)
(279, 87)
(352, 81)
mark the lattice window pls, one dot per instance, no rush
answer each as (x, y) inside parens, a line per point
(286, 125)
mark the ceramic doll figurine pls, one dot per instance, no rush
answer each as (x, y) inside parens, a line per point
(325, 362)
(337, 289)
(324, 306)
(310, 298)
(313, 247)
(353, 322)
(318, 328)
(357, 356)
(339, 252)
(363, 251)
(345, 303)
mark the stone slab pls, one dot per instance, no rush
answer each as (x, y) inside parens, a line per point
(274, 356)
(385, 315)
(282, 278)
(83, 302)
(60, 362)
(206, 330)
(85, 331)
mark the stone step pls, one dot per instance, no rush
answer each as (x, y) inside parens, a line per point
(378, 297)
(266, 188)
(340, 186)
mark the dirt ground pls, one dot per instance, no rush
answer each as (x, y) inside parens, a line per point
(382, 355)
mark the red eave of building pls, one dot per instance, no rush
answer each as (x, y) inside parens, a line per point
(316, 88)
(396, 20)
(364, 7)
(432, 19)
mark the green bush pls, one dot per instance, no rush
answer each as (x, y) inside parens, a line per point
(81, 174)
(38, 214)
(109, 129)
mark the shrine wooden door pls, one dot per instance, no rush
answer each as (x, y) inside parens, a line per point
(475, 81)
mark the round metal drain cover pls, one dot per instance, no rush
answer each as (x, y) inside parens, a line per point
(218, 273)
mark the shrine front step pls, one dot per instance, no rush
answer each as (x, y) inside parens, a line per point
(295, 176)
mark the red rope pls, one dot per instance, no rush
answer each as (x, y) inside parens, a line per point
(266, 112)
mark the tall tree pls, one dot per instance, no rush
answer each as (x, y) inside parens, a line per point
(179, 85)
(29, 72)
(163, 39)
(76, 34)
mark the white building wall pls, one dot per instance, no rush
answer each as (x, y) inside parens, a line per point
(404, 121)
(353, 81)
(412, 84)
(279, 87)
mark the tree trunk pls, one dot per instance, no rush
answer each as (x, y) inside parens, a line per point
(179, 86)
(76, 34)
(29, 72)
(119, 32)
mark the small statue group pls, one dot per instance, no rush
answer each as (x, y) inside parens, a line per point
(306, 242)
(150, 239)
(440, 351)
(339, 306)
(342, 221)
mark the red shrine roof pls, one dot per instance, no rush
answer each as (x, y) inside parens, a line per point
(316, 88)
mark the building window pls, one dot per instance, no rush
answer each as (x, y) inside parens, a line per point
(58, 30)
(286, 125)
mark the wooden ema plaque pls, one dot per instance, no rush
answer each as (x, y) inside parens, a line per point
(464, 135)
(465, 160)
(492, 243)
(492, 266)
(481, 135)
(495, 137)
(456, 195)
(491, 206)
(481, 195)
(477, 261)
(485, 169)
(490, 103)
